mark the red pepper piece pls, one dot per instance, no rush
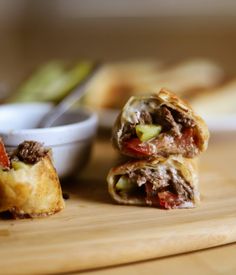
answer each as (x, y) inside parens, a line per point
(4, 159)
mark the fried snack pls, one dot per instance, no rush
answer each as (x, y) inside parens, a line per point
(163, 182)
(116, 82)
(29, 185)
(219, 101)
(159, 125)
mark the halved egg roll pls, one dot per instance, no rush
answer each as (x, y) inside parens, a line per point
(163, 182)
(159, 125)
(29, 185)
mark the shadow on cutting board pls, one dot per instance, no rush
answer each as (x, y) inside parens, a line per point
(86, 189)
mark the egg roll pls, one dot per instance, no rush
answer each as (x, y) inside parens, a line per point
(117, 81)
(167, 183)
(160, 124)
(29, 184)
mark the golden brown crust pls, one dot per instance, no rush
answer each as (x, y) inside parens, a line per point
(187, 168)
(31, 191)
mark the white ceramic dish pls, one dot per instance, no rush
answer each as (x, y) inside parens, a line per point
(70, 139)
(216, 122)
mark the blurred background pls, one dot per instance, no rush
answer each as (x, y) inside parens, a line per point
(35, 32)
(32, 32)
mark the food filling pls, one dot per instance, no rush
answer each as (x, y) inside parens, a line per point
(28, 152)
(159, 130)
(162, 187)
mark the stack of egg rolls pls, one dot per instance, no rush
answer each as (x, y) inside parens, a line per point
(162, 138)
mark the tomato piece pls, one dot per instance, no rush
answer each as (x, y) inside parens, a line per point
(164, 199)
(186, 139)
(168, 200)
(4, 159)
(137, 148)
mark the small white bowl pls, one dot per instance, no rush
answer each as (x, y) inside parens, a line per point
(70, 139)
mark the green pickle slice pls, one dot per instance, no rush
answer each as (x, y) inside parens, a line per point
(146, 132)
(17, 165)
(125, 185)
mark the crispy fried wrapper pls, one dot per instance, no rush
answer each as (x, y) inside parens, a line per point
(30, 189)
(160, 124)
(166, 183)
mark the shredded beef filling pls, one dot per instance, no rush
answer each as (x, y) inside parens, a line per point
(183, 119)
(164, 186)
(165, 118)
(177, 136)
(145, 118)
(29, 152)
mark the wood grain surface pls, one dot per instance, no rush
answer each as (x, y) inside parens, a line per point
(95, 232)
(212, 261)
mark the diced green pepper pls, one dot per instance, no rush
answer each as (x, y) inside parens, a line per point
(146, 132)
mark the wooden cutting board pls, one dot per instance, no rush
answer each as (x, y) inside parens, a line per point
(94, 232)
